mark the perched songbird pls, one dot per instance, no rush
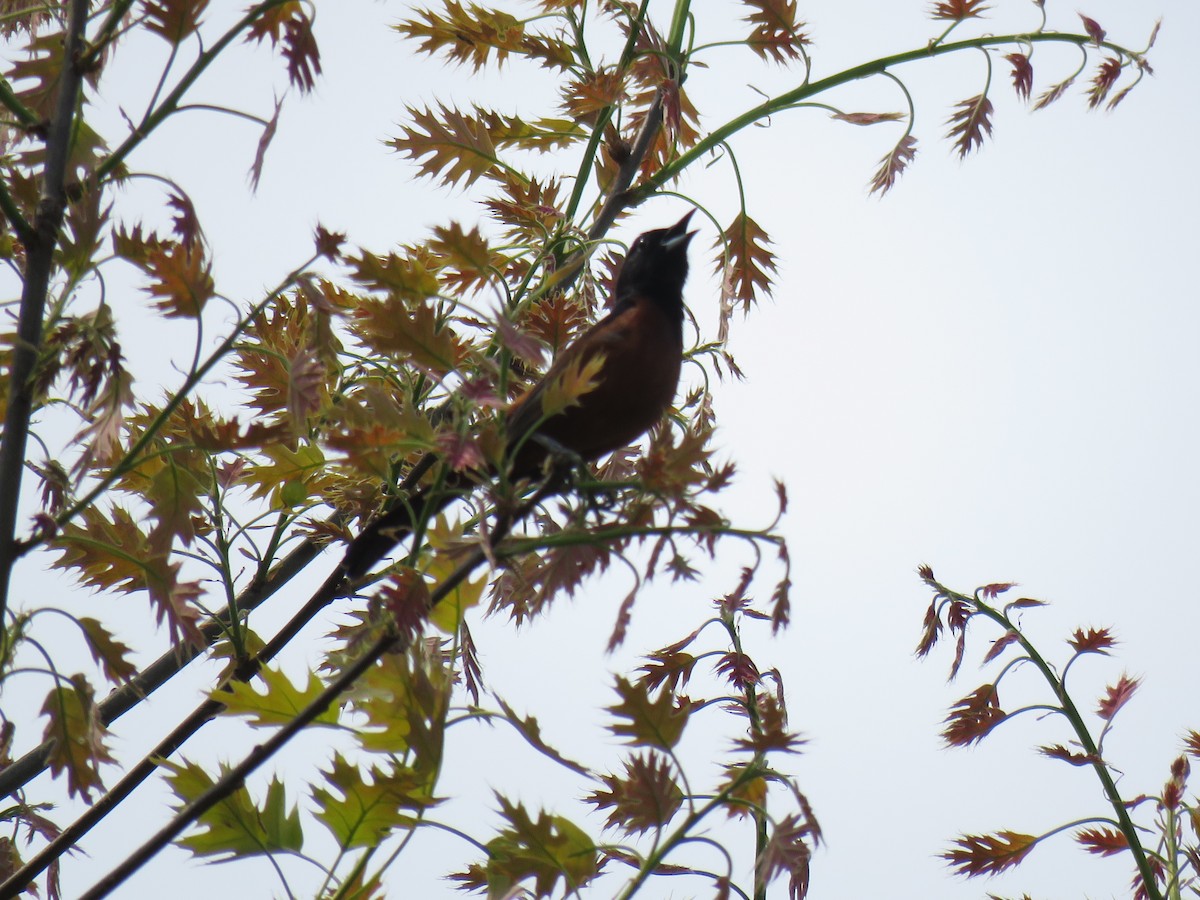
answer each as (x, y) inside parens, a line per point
(637, 349)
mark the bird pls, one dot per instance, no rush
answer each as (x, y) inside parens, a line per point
(637, 350)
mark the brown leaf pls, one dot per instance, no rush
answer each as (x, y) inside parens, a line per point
(1022, 74)
(970, 123)
(181, 280)
(668, 669)
(466, 34)
(464, 257)
(989, 854)
(992, 591)
(863, 118)
(1053, 93)
(649, 722)
(646, 797)
(893, 165)
(1102, 841)
(109, 653)
(746, 264)
(1058, 751)
(1116, 696)
(173, 20)
(973, 717)
(1191, 742)
(788, 853)
(78, 736)
(1094, 640)
(414, 331)
(1093, 29)
(738, 669)
(770, 735)
(1105, 77)
(776, 30)
(264, 141)
(998, 646)
(586, 96)
(306, 392)
(447, 145)
(300, 50)
(957, 10)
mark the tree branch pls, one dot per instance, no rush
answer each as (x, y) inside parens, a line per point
(39, 253)
(235, 777)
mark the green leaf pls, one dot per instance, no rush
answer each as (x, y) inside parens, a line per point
(646, 722)
(550, 848)
(78, 736)
(362, 810)
(236, 826)
(279, 703)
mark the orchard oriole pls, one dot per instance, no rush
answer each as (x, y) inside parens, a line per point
(637, 349)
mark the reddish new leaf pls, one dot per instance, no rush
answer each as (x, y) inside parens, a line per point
(1022, 74)
(1191, 742)
(739, 669)
(646, 797)
(300, 51)
(649, 722)
(973, 717)
(746, 264)
(668, 670)
(1106, 76)
(930, 630)
(1009, 637)
(173, 20)
(1094, 640)
(770, 735)
(776, 30)
(1116, 696)
(789, 852)
(181, 280)
(992, 591)
(957, 10)
(1058, 751)
(1172, 795)
(1093, 29)
(77, 736)
(466, 33)
(112, 655)
(970, 123)
(893, 165)
(1102, 841)
(264, 141)
(863, 118)
(447, 144)
(988, 854)
(1050, 95)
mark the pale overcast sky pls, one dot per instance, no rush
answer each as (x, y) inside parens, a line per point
(992, 370)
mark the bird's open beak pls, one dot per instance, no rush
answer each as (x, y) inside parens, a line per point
(677, 234)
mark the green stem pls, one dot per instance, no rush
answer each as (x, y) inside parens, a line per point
(159, 114)
(787, 100)
(752, 770)
(1084, 736)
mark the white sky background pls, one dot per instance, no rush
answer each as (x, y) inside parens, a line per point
(991, 370)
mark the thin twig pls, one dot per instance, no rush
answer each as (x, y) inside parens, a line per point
(39, 254)
(235, 777)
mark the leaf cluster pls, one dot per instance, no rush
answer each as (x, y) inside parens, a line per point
(1164, 866)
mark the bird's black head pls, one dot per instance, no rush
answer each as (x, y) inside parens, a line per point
(657, 266)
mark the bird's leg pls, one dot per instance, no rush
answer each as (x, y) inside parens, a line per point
(564, 461)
